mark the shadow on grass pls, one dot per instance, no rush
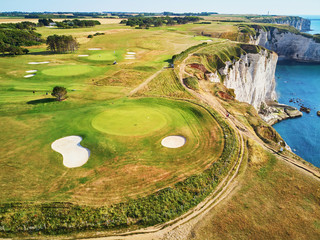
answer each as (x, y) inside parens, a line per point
(44, 100)
(41, 53)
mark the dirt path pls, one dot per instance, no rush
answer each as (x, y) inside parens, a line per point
(212, 101)
(179, 228)
(145, 83)
(168, 231)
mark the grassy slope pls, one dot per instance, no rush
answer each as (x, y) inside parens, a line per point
(32, 119)
(274, 201)
(37, 125)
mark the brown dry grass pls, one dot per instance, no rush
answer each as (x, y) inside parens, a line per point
(275, 201)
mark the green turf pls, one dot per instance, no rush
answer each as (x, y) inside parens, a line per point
(72, 70)
(129, 121)
(103, 56)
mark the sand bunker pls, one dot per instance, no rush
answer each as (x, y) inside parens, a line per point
(29, 75)
(31, 71)
(130, 55)
(74, 155)
(173, 141)
(83, 55)
(94, 49)
(34, 63)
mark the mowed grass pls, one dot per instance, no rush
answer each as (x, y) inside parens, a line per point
(119, 167)
(130, 120)
(72, 70)
(104, 56)
(138, 165)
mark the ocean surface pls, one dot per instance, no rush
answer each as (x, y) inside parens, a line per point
(300, 82)
(315, 23)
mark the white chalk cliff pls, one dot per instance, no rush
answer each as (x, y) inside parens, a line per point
(252, 77)
(289, 45)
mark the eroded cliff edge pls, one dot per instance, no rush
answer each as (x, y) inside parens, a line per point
(248, 71)
(288, 43)
(299, 23)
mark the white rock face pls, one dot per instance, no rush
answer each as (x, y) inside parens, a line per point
(289, 45)
(301, 24)
(252, 77)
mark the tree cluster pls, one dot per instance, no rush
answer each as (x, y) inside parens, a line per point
(76, 23)
(62, 43)
(15, 35)
(146, 22)
(44, 22)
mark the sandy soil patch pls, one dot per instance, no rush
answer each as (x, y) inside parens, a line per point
(31, 71)
(74, 155)
(173, 141)
(29, 75)
(84, 55)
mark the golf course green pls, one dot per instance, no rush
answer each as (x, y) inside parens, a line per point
(103, 56)
(129, 121)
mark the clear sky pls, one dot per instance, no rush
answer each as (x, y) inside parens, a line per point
(280, 7)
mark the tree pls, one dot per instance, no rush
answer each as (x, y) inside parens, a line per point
(59, 92)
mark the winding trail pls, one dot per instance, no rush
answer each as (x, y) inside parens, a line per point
(180, 227)
(222, 191)
(206, 97)
(145, 83)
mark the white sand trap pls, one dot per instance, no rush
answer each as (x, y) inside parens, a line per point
(29, 75)
(31, 71)
(94, 49)
(74, 155)
(131, 53)
(130, 57)
(173, 141)
(84, 55)
(34, 63)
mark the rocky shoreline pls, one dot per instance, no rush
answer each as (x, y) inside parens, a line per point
(276, 112)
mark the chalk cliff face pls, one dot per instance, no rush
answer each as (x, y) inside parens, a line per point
(252, 77)
(301, 24)
(289, 45)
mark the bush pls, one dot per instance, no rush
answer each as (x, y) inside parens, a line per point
(191, 82)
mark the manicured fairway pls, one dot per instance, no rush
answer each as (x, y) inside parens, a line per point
(129, 121)
(72, 70)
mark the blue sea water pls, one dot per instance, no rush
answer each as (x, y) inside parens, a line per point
(301, 81)
(315, 23)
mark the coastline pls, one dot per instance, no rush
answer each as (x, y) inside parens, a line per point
(276, 112)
